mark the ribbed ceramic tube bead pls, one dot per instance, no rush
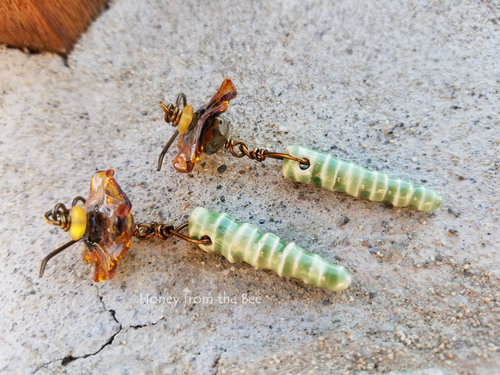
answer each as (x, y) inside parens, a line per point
(242, 242)
(333, 174)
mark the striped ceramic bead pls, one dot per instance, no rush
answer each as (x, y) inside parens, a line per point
(333, 174)
(242, 242)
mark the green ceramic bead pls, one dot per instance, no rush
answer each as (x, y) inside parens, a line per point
(242, 242)
(333, 174)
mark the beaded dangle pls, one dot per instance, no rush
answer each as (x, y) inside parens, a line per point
(106, 226)
(204, 131)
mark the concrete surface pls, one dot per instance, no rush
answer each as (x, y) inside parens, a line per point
(410, 88)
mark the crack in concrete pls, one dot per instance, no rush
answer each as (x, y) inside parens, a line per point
(139, 326)
(69, 358)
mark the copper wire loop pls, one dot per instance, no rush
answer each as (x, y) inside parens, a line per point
(59, 215)
(164, 231)
(173, 112)
(240, 149)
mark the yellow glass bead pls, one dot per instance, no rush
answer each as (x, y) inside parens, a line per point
(78, 222)
(186, 118)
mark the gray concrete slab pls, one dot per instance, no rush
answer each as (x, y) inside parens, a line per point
(409, 88)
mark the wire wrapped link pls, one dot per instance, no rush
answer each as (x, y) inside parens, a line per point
(240, 149)
(147, 230)
(164, 231)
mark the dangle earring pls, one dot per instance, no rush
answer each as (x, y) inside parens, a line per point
(204, 132)
(106, 226)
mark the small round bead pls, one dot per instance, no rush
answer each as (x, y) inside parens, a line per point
(186, 118)
(216, 133)
(78, 222)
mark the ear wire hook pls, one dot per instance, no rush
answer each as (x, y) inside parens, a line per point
(165, 149)
(59, 216)
(173, 115)
(53, 254)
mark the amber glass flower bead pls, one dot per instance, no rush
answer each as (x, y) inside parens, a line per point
(110, 225)
(204, 131)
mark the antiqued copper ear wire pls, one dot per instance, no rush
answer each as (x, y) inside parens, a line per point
(52, 254)
(59, 216)
(172, 115)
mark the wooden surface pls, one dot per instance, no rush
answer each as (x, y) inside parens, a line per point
(46, 25)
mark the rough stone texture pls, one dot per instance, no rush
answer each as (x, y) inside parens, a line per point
(409, 88)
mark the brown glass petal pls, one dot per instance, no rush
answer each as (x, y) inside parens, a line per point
(191, 142)
(110, 225)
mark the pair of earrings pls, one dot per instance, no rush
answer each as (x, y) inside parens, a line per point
(105, 224)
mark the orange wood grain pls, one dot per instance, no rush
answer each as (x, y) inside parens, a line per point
(46, 25)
